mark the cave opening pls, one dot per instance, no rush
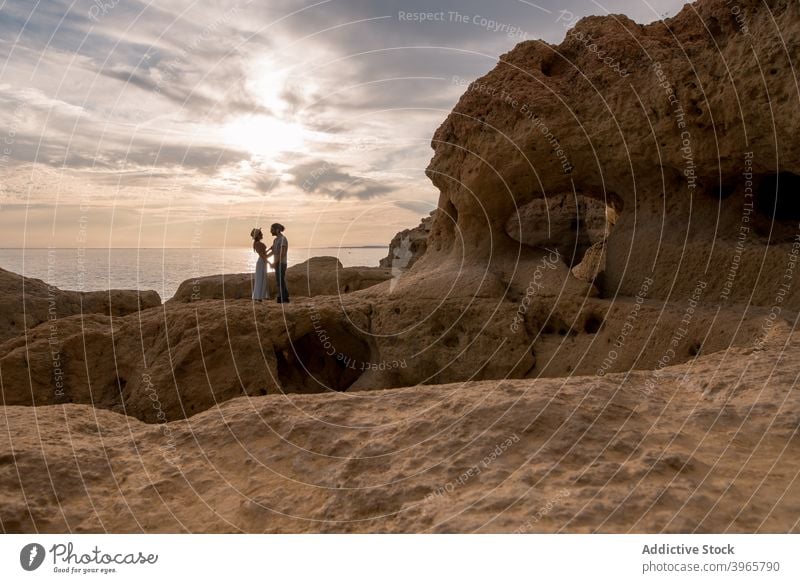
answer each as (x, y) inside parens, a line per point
(330, 358)
(547, 67)
(569, 222)
(593, 324)
(778, 196)
(445, 225)
(451, 212)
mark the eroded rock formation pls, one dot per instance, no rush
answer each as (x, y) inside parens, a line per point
(184, 358)
(26, 302)
(568, 223)
(408, 245)
(692, 144)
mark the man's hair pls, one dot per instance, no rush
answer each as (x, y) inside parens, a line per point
(278, 227)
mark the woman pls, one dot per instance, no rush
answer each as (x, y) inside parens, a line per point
(260, 285)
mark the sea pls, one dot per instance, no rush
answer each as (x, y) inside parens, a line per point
(157, 269)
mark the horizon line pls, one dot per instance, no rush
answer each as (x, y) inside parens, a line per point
(231, 247)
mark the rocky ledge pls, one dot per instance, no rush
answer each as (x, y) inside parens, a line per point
(319, 276)
(27, 302)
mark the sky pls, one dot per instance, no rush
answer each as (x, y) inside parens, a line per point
(180, 123)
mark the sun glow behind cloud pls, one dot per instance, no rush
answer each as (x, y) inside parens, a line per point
(277, 131)
(263, 136)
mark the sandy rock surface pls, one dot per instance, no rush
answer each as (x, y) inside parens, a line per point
(708, 446)
(685, 130)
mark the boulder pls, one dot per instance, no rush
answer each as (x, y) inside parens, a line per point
(317, 276)
(592, 264)
(26, 302)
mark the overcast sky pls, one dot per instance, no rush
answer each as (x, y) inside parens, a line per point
(182, 123)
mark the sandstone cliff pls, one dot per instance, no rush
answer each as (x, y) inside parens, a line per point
(690, 143)
(408, 245)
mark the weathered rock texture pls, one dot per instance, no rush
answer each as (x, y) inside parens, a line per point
(705, 99)
(409, 245)
(319, 276)
(26, 302)
(184, 358)
(709, 446)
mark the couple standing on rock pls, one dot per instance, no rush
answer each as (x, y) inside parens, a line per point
(279, 251)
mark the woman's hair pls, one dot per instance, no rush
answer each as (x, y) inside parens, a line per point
(256, 234)
(278, 227)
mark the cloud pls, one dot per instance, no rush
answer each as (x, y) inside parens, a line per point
(419, 207)
(264, 181)
(140, 154)
(145, 96)
(333, 180)
(192, 99)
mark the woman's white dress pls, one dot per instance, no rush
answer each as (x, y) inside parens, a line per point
(260, 287)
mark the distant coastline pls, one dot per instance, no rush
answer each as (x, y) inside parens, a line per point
(383, 246)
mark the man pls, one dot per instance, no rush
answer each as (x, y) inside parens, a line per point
(280, 250)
